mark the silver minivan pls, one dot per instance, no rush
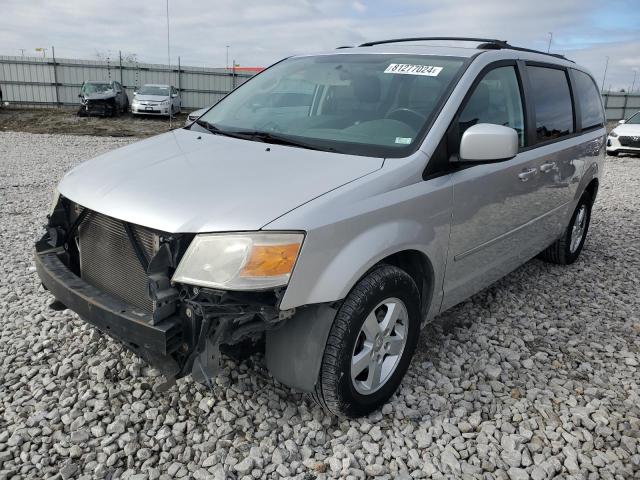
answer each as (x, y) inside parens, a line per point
(329, 208)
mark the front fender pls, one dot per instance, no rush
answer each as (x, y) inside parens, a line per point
(336, 255)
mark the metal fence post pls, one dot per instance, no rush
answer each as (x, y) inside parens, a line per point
(120, 54)
(55, 76)
(179, 80)
(624, 105)
(233, 75)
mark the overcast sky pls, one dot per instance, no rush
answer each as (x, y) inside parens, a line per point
(260, 32)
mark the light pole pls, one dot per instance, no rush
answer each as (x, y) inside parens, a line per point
(169, 65)
(550, 38)
(635, 74)
(606, 65)
(226, 63)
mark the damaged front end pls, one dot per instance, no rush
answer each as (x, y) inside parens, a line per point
(117, 276)
(102, 106)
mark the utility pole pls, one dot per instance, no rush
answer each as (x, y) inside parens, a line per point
(169, 65)
(550, 38)
(226, 63)
(22, 51)
(606, 65)
(635, 74)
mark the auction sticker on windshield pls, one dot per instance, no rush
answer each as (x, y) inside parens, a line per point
(408, 69)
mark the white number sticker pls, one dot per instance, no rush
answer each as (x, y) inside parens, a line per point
(408, 69)
(403, 140)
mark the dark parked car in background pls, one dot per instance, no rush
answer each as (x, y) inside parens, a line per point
(103, 98)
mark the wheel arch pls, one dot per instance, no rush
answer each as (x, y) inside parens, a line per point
(592, 189)
(418, 265)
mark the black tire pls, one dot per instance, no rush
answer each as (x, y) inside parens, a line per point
(335, 391)
(560, 252)
(613, 154)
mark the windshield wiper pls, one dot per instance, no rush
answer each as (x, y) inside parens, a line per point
(266, 137)
(217, 131)
(276, 139)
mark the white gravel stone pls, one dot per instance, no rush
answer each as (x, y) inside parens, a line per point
(535, 377)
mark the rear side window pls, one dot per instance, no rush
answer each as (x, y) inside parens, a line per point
(589, 99)
(552, 103)
(495, 99)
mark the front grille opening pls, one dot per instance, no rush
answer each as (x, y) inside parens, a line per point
(108, 260)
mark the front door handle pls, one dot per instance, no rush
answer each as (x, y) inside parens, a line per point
(527, 174)
(547, 167)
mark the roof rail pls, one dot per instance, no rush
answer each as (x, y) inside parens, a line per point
(415, 39)
(485, 44)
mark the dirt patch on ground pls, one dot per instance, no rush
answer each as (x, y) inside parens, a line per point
(65, 121)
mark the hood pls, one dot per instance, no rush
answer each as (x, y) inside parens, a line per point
(198, 113)
(632, 129)
(151, 98)
(185, 181)
(99, 96)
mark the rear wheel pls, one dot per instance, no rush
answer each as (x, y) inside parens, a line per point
(613, 153)
(567, 248)
(370, 344)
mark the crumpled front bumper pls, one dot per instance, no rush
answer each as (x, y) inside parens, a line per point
(127, 324)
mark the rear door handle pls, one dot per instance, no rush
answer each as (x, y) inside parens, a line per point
(527, 174)
(547, 167)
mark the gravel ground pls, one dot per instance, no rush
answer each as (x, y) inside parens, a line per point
(536, 377)
(65, 121)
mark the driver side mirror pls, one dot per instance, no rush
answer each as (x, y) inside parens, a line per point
(488, 142)
(621, 121)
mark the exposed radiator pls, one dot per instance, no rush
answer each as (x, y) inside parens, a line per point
(108, 260)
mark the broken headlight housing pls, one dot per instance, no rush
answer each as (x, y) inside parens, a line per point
(54, 201)
(240, 261)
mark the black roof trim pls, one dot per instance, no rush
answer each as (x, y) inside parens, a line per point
(485, 44)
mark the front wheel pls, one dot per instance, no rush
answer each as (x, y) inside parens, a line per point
(567, 248)
(370, 344)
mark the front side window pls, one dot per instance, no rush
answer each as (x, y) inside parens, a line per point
(552, 103)
(496, 99)
(591, 114)
(364, 104)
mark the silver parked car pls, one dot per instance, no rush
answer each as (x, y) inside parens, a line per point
(156, 100)
(331, 205)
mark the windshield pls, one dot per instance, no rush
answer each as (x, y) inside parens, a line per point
(634, 120)
(154, 90)
(89, 88)
(363, 104)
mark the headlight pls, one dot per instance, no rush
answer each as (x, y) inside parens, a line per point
(613, 134)
(164, 103)
(54, 201)
(247, 261)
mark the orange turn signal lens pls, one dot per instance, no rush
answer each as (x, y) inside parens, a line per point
(271, 260)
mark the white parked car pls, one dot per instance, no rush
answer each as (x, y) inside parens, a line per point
(156, 100)
(625, 138)
(193, 116)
